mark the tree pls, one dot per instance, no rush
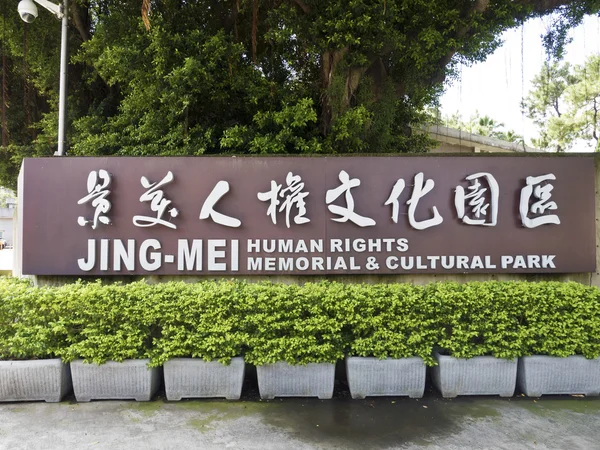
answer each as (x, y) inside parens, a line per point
(545, 107)
(583, 98)
(564, 103)
(248, 76)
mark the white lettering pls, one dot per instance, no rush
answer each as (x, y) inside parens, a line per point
(374, 245)
(448, 262)
(286, 264)
(302, 263)
(104, 254)
(213, 254)
(317, 264)
(402, 245)
(286, 245)
(153, 263)
(186, 257)
(270, 264)
(301, 247)
(127, 256)
(255, 264)
(488, 263)
(407, 262)
(506, 260)
(519, 262)
(477, 263)
(340, 264)
(548, 261)
(316, 245)
(88, 265)
(433, 261)
(235, 255)
(462, 262)
(253, 245)
(335, 245)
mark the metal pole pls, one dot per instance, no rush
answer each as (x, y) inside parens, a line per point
(62, 101)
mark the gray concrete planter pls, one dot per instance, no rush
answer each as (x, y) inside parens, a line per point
(195, 378)
(43, 379)
(130, 379)
(481, 375)
(385, 377)
(284, 380)
(546, 375)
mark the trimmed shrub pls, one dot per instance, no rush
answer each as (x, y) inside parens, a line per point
(108, 322)
(480, 318)
(390, 321)
(295, 324)
(312, 323)
(561, 319)
(199, 321)
(29, 321)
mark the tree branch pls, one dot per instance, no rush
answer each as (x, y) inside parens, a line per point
(542, 6)
(80, 21)
(303, 6)
(479, 7)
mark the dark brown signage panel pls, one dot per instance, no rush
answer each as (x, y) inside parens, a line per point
(321, 215)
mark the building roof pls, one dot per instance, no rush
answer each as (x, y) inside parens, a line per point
(484, 143)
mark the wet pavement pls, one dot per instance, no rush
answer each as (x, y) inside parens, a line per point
(341, 423)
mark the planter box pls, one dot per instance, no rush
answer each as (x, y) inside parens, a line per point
(130, 379)
(482, 375)
(43, 379)
(193, 378)
(385, 377)
(539, 375)
(284, 380)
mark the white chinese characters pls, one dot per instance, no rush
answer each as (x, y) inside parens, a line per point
(419, 191)
(476, 204)
(97, 187)
(207, 210)
(293, 196)
(158, 203)
(346, 213)
(483, 210)
(535, 199)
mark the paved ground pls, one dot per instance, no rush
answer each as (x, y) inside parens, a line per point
(342, 423)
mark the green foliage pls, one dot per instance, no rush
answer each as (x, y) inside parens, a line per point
(313, 323)
(201, 320)
(564, 103)
(561, 319)
(107, 322)
(391, 321)
(480, 318)
(295, 324)
(29, 321)
(288, 130)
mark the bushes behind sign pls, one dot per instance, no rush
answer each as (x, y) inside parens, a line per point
(316, 322)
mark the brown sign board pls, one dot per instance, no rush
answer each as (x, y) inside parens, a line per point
(308, 215)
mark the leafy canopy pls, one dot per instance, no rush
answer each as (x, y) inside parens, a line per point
(564, 103)
(246, 76)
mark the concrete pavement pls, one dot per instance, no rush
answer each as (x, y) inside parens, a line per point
(342, 423)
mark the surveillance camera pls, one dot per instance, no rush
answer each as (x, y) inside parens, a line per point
(27, 10)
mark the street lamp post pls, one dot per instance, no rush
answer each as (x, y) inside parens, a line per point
(29, 12)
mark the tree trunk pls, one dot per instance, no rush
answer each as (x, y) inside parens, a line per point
(4, 101)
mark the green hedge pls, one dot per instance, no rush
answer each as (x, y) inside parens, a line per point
(315, 322)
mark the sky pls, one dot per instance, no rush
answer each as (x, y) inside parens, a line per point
(496, 86)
